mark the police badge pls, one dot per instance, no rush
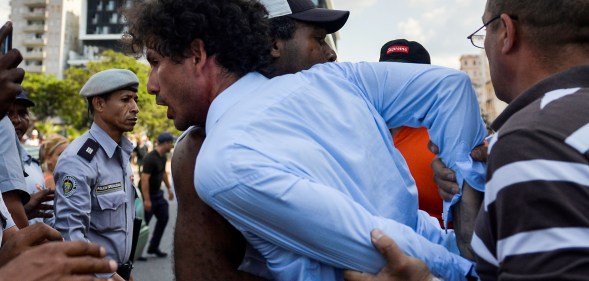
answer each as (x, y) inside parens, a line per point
(69, 185)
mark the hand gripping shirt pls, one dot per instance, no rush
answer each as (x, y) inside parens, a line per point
(304, 166)
(94, 193)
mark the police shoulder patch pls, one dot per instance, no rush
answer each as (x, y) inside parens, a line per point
(88, 150)
(69, 185)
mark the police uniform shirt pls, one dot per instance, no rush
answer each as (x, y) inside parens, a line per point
(94, 195)
(11, 168)
(34, 179)
(10, 178)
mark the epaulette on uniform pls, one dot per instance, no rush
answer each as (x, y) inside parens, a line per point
(88, 150)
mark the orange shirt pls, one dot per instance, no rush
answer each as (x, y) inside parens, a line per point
(412, 142)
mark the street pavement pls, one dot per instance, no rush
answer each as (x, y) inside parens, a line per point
(159, 269)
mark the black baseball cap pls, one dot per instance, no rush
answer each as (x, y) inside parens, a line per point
(165, 137)
(24, 100)
(306, 11)
(401, 50)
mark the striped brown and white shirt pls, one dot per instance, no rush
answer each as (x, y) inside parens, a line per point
(534, 222)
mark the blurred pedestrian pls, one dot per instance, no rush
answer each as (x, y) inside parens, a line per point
(152, 176)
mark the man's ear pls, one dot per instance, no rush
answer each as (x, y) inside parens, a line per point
(510, 34)
(198, 52)
(98, 103)
(277, 47)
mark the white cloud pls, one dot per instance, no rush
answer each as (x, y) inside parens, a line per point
(354, 5)
(436, 15)
(411, 29)
(423, 3)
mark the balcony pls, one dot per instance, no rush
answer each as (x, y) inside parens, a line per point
(36, 3)
(37, 28)
(35, 42)
(35, 55)
(37, 15)
(34, 68)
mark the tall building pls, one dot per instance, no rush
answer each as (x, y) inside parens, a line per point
(44, 32)
(101, 28)
(477, 68)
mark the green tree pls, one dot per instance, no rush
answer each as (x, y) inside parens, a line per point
(60, 98)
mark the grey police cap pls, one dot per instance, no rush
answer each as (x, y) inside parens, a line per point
(108, 81)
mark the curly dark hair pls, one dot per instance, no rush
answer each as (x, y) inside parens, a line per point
(282, 28)
(236, 31)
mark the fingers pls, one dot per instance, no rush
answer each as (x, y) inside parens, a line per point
(5, 30)
(350, 275)
(44, 195)
(85, 278)
(39, 233)
(446, 189)
(44, 207)
(433, 147)
(82, 265)
(386, 246)
(479, 153)
(11, 60)
(445, 179)
(80, 248)
(41, 214)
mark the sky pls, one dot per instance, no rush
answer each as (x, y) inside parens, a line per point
(441, 26)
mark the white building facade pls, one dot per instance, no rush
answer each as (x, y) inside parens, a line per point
(44, 32)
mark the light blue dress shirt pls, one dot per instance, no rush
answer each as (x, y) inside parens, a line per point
(304, 165)
(94, 199)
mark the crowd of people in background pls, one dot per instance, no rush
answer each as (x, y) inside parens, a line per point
(294, 167)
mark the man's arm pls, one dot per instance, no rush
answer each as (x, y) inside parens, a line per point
(219, 247)
(145, 191)
(465, 213)
(400, 267)
(73, 179)
(13, 202)
(168, 186)
(300, 226)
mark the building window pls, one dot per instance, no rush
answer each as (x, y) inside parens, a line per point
(114, 18)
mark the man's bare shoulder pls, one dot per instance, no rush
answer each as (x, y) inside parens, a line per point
(187, 148)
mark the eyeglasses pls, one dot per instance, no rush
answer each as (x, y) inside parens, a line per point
(478, 40)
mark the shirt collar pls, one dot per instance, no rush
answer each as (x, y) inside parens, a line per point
(107, 143)
(24, 155)
(570, 78)
(231, 96)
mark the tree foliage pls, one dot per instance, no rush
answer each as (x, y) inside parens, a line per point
(60, 100)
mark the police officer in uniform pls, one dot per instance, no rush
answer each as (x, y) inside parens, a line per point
(94, 193)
